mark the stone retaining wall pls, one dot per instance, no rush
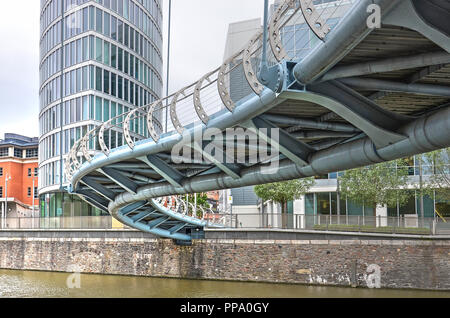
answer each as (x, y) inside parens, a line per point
(402, 264)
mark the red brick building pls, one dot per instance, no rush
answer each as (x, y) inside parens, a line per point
(19, 175)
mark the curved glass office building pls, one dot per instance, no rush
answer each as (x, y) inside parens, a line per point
(98, 59)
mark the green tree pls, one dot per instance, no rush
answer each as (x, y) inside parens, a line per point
(202, 201)
(382, 184)
(283, 192)
(439, 181)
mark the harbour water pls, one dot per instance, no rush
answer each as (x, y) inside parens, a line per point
(30, 284)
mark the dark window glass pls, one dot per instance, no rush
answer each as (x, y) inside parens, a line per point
(98, 78)
(120, 31)
(113, 56)
(120, 87)
(106, 82)
(120, 59)
(126, 35)
(113, 84)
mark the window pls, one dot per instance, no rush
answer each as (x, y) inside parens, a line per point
(1, 172)
(99, 47)
(106, 81)
(29, 172)
(98, 79)
(29, 192)
(36, 194)
(3, 152)
(99, 20)
(107, 20)
(36, 172)
(18, 153)
(106, 53)
(114, 28)
(1, 192)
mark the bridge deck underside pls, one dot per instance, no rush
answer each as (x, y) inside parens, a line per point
(382, 44)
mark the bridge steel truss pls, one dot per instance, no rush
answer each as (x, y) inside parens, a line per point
(362, 96)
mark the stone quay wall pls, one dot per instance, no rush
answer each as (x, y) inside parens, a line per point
(418, 264)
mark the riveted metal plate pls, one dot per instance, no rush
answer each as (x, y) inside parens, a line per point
(101, 137)
(150, 124)
(173, 111)
(250, 74)
(275, 29)
(126, 128)
(84, 145)
(197, 99)
(314, 20)
(222, 87)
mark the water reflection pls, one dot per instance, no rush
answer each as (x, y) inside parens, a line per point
(28, 284)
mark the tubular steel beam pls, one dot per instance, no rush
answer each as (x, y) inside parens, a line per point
(99, 188)
(428, 17)
(133, 207)
(379, 124)
(293, 149)
(173, 176)
(231, 170)
(120, 179)
(389, 86)
(140, 216)
(387, 65)
(308, 123)
(177, 228)
(100, 202)
(339, 42)
(155, 223)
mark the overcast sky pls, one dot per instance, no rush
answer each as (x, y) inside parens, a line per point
(199, 29)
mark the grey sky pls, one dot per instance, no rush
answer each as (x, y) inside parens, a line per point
(199, 29)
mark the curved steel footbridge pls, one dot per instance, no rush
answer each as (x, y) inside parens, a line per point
(373, 88)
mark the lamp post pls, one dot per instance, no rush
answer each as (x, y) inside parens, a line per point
(168, 63)
(32, 204)
(5, 212)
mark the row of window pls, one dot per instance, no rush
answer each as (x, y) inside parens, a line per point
(82, 109)
(94, 48)
(29, 191)
(326, 203)
(95, 19)
(87, 108)
(19, 153)
(96, 78)
(86, 48)
(412, 164)
(29, 171)
(65, 205)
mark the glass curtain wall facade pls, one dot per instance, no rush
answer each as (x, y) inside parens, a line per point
(98, 59)
(326, 203)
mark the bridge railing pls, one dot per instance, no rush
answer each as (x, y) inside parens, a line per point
(293, 24)
(408, 224)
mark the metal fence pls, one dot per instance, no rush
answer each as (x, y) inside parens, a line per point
(342, 223)
(74, 223)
